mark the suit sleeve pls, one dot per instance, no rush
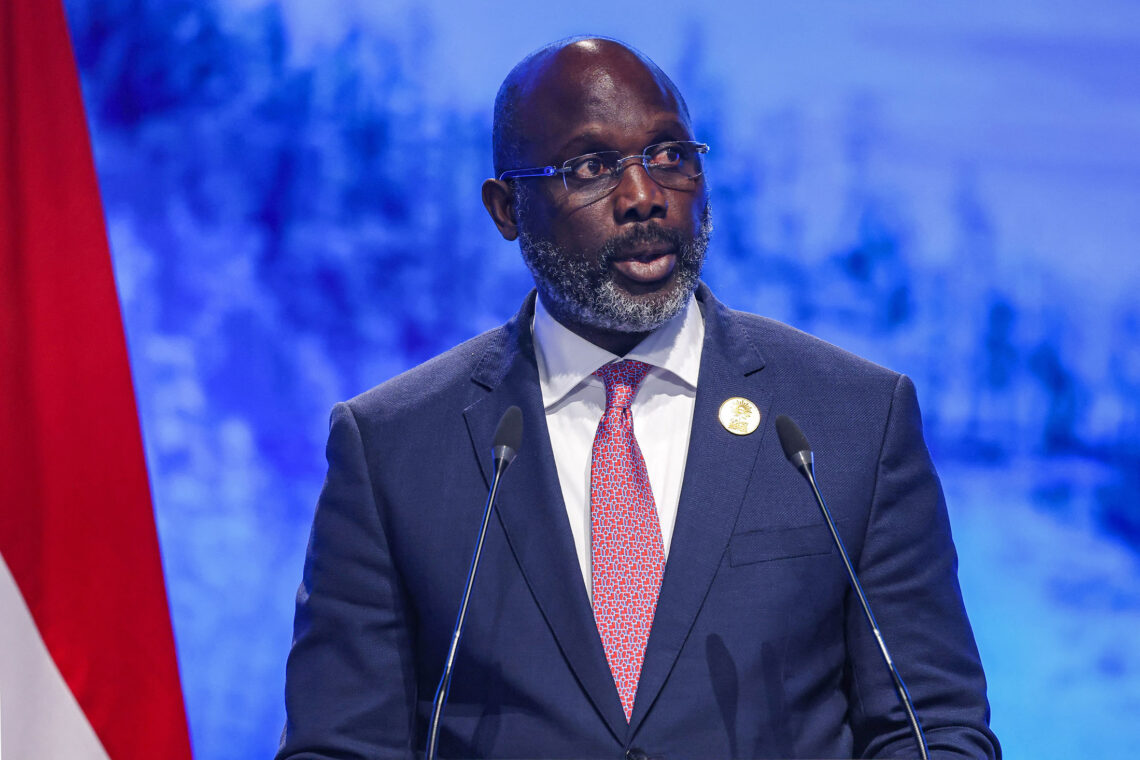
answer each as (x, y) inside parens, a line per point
(909, 570)
(349, 686)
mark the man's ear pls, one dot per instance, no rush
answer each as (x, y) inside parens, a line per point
(499, 201)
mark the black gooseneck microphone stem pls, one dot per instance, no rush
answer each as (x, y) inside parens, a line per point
(803, 462)
(798, 452)
(504, 448)
(449, 663)
(510, 430)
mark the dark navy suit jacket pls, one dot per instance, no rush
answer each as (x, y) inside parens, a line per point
(757, 647)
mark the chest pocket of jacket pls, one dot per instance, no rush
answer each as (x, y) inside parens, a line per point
(785, 543)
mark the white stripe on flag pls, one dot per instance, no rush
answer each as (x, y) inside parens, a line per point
(41, 718)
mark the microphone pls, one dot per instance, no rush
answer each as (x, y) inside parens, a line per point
(508, 438)
(798, 452)
(504, 448)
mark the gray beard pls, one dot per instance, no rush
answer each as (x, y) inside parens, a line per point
(581, 289)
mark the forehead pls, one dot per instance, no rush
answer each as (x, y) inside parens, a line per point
(597, 93)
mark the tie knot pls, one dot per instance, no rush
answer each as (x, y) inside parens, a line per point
(621, 380)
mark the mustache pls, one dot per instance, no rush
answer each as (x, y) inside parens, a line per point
(623, 246)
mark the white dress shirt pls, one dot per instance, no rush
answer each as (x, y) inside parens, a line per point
(574, 400)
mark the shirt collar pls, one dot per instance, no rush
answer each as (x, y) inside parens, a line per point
(566, 360)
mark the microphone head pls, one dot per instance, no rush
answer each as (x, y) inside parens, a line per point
(795, 444)
(508, 435)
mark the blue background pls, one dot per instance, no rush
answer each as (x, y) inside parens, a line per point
(952, 190)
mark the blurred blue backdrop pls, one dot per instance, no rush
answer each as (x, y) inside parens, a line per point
(950, 189)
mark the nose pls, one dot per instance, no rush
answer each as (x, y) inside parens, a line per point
(637, 197)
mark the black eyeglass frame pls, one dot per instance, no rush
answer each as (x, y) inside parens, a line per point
(619, 166)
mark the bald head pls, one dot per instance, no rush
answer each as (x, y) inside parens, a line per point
(581, 74)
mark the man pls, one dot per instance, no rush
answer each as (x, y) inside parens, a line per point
(664, 588)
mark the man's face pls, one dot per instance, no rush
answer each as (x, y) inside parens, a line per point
(628, 261)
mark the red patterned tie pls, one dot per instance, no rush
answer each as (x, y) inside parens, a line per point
(625, 534)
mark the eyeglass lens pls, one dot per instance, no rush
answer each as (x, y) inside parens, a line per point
(673, 165)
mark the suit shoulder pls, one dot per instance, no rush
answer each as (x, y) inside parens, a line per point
(813, 358)
(446, 378)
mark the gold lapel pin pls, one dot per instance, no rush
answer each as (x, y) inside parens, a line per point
(739, 416)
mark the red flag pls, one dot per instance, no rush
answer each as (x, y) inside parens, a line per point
(80, 572)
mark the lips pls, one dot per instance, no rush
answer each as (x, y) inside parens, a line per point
(645, 256)
(647, 268)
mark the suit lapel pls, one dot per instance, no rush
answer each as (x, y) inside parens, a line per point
(532, 512)
(718, 470)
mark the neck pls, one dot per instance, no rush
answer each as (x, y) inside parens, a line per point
(620, 343)
(615, 341)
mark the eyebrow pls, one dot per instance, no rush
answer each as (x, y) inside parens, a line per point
(595, 137)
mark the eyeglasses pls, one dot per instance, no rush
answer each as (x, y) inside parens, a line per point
(675, 165)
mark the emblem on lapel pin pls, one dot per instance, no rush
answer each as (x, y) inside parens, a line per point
(739, 416)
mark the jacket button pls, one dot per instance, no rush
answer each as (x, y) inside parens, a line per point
(633, 753)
